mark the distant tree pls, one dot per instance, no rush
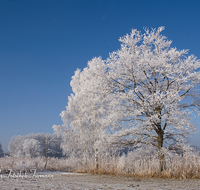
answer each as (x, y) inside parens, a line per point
(51, 139)
(15, 146)
(1, 151)
(34, 145)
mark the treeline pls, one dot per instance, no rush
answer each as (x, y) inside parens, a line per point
(68, 150)
(34, 145)
(143, 161)
(64, 143)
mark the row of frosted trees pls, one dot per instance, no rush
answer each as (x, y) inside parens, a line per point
(145, 93)
(34, 145)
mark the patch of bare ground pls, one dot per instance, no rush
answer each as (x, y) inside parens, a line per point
(68, 181)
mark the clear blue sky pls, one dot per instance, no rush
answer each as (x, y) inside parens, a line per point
(42, 42)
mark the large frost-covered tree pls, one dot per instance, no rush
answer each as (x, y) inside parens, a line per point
(154, 90)
(151, 90)
(85, 110)
(145, 92)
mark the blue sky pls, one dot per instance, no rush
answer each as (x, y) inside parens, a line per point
(42, 43)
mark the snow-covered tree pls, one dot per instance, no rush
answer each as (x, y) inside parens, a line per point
(32, 147)
(22, 145)
(55, 149)
(16, 145)
(1, 151)
(85, 109)
(149, 90)
(152, 90)
(71, 141)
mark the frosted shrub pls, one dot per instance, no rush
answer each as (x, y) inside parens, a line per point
(145, 162)
(6, 163)
(121, 163)
(141, 162)
(28, 163)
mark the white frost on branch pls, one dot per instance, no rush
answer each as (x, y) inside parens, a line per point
(145, 92)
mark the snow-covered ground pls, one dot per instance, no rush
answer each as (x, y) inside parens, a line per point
(76, 181)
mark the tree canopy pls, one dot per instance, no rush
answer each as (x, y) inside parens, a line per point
(145, 92)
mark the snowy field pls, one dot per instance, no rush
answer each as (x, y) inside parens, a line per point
(76, 181)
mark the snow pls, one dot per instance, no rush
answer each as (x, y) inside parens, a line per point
(67, 181)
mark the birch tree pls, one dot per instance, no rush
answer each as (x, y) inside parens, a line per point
(50, 139)
(152, 90)
(85, 109)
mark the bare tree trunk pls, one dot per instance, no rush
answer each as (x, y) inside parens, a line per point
(96, 149)
(96, 159)
(85, 154)
(160, 152)
(84, 147)
(46, 152)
